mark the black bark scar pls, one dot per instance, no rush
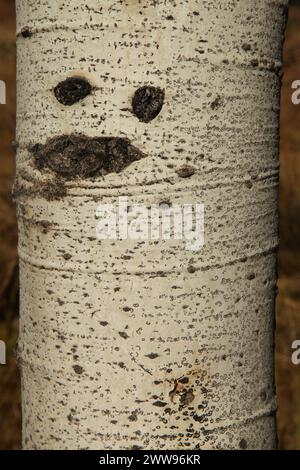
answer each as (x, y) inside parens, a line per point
(76, 155)
(72, 90)
(147, 102)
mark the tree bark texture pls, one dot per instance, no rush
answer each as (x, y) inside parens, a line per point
(128, 344)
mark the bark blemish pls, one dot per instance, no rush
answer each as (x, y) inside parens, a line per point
(123, 335)
(78, 369)
(53, 190)
(78, 156)
(243, 444)
(72, 90)
(184, 380)
(264, 395)
(152, 355)
(174, 391)
(147, 102)
(191, 269)
(159, 404)
(251, 276)
(26, 32)
(187, 397)
(246, 47)
(185, 171)
(133, 416)
(216, 103)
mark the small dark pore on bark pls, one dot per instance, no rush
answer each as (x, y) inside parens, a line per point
(123, 335)
(159, 403)
(26, 33)
(246, 47)
(251, 276)
(147, 102)
(72, 90)
(243, 444)
(216, 103)
(152, 355)
(78, 156)
(191, 269)
(78, 369)
(184, 380)
(187, 397)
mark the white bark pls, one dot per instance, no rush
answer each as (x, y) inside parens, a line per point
(84, 384)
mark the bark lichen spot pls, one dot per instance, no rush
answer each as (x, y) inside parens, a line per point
(147, 102)
(76, 155)
(72, 90)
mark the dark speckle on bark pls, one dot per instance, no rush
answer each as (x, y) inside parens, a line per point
(78, 369)
(185, 171)
(243, 444)
(26, 33)
(152, 355)
(159, 403)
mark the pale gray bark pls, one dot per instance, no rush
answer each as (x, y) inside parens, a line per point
(127, 344)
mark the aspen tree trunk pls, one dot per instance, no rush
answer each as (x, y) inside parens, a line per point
(128, 344)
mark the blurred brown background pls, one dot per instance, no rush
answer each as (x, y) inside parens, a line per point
(288, 301)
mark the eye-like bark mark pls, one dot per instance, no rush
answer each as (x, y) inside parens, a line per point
(147, 102)
(76, 155)
(72, 90)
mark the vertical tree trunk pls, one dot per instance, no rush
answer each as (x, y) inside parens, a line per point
(127, 343)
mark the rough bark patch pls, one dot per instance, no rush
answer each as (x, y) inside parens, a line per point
(72, 90)
(50, 190)
(147, 102)
(76, 155)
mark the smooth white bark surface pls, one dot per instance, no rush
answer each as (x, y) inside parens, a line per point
(134, 344)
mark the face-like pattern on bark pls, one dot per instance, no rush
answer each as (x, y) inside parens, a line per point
(128, 344)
